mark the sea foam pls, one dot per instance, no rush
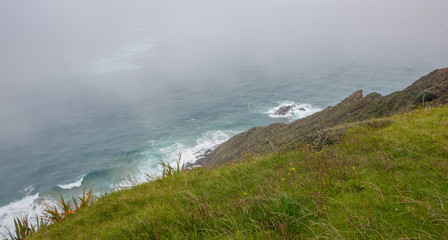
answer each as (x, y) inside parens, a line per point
(73, 184)
(292, 111)
(203, 146)
(30, 205)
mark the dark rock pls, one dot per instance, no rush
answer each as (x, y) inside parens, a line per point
(204, 154)
(282, 111)
(278, 136)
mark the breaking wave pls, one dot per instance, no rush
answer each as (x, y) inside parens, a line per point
(73, 184)
(31, 205)
(203, 146)
(292, 111)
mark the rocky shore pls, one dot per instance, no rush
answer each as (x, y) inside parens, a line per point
(431, 89)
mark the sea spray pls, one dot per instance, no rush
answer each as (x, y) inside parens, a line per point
(30, 205)
(292, 111)
(202, 147)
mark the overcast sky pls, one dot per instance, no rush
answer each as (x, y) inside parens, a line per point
(44, 37)
(42, 40)
(38, 26)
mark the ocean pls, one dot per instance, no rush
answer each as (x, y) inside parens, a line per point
(105, 117)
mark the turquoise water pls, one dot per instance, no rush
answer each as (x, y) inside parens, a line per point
(125, 113)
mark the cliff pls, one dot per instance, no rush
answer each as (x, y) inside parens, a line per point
(431, 89)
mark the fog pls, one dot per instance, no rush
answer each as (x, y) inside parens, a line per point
(47, 46)
(59, 32)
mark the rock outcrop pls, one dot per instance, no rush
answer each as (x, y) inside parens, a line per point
(431, 89)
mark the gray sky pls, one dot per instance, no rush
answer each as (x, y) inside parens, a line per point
(28, 26)
(52, 37)
(60, 36)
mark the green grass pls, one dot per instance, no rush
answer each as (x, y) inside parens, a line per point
(379, 182)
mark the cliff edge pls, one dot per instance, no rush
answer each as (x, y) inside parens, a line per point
(431, 89)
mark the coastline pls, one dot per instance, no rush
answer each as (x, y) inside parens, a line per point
(431, 89)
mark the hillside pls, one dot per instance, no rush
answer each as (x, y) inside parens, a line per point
(385, 181)
(371, 167)
(431, 89)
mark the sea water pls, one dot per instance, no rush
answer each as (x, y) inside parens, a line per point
(108, 119)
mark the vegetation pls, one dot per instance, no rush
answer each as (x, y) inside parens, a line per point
(23, 227)
(431, 89)
(168, 170)
(54, 215)
(383, 179)
(345, 172)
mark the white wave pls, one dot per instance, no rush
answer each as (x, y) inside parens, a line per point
(27, 191)
(292, 110)
(151, 142)
(129, 182)
(31, 205)
(73, 184)
(204, 145)
(190, 153)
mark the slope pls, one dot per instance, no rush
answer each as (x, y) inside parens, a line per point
(431, 89)
(378, 182)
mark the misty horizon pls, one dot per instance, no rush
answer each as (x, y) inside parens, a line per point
(200, 39)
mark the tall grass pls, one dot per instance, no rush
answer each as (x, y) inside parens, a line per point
(168, 170)
(59, 213)
(378, 182)
(24, 228)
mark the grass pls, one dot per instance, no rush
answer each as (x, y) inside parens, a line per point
(53, 214)
(24, 228)
(387, 181)
(431, 89)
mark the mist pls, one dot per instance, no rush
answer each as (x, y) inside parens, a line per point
(62, 32)
(49, 49)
